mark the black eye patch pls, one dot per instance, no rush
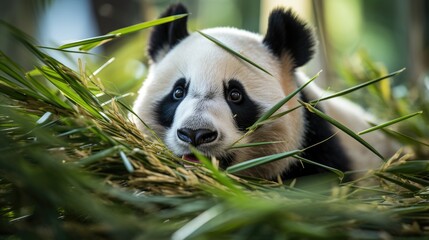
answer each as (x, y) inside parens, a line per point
(166, 107)
(244, 109)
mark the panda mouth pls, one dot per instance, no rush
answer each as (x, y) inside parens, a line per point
(190, 158)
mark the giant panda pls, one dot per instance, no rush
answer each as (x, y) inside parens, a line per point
(198, 94)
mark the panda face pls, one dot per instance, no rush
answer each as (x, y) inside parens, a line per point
(209, 98)
(197, 94)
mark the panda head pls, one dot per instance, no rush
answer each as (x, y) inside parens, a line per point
(197, 94)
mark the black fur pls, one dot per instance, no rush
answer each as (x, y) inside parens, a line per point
(226, 160)
(330, 153)
(166, 36)
(166, 108)
(287, 34)
(245, 112)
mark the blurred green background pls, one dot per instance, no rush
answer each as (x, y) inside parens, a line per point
(392, 32)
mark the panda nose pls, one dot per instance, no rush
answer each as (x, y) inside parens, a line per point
(196, 137)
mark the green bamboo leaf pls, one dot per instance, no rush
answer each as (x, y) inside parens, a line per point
(404, 138)
(90, 43)
(254, 144)
(107, 63)
(234, 53)
(74, 131)
(63, 74)
(56, 71)
(334, 170)
(416, 178)
(15, 73)
(190, 228)
(115, 98)
(44, 118)
(268, 115)
(411, 167)
(406, 210)
(261, 160)
(67, 51)
(220, 176)
(405, 185)
(45, 93)
(341, 127)
(13, 93)
(278, 105)
(383, 125)
(70, 93)
(25, 83)
(148, 24)
(126, 162)
(279, 115)
(16, 92)
(98, 156)
(352, 89)
(18, 77)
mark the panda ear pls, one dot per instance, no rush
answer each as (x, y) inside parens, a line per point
(287, 34)
(165, 36)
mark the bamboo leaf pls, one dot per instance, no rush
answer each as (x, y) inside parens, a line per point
(220, 176)
(404, 138)
(25, 83)
(334, 170)
(69, 92)
(90, 43)
(352, 89)
(385, 87)
(341, 127)
(8, 67)
(192, 226)
(261, 160)
(411, 209)
(44, 118)
(46, 94)
(126, 162)
(66, 51)
(416, 178)
(234, 53)
(254, 144)
(98, 156)
(274, 117)
(278, 105)
(383, 125)
(398, 182)
(409, 167)
(13, 93)
(148, 24)
(103, 66)
(74, 131)
(268, 115)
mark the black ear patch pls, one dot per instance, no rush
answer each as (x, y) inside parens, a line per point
(166, 36)
(287, 34)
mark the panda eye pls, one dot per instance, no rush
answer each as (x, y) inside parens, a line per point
(235, 96)
(178, 93)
